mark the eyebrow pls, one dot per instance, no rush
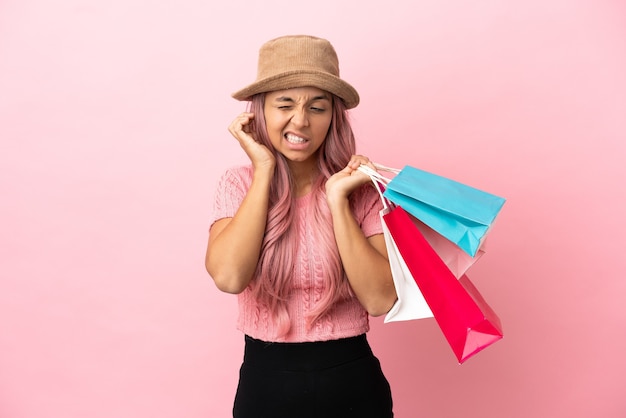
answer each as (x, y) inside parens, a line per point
(290, 100)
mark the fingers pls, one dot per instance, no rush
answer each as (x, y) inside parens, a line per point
(243, 130)
(358, 160)
(240, 128)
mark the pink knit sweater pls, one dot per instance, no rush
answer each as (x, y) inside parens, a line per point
(347, 318)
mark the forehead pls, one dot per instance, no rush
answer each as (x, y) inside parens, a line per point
(299, 94)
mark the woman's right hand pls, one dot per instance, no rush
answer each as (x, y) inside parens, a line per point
(259, 154)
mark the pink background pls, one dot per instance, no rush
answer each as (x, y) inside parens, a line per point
(113, 119)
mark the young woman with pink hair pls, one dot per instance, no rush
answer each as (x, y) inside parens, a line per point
(297, 236)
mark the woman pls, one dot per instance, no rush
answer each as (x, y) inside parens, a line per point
(297, 236)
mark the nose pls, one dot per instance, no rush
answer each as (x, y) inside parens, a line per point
(300, 117)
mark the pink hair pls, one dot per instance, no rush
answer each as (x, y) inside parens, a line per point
(270, 285)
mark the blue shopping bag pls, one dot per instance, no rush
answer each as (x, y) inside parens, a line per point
(461, 213)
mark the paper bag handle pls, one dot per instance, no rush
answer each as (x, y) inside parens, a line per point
(379, 182)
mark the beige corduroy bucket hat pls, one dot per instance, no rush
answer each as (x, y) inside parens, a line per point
(299, 61)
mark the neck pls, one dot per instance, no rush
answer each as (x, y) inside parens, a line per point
(303, 176)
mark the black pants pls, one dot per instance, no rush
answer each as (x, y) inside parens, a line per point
(339, 378)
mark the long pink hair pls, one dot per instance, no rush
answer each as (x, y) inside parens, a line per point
(270, 285)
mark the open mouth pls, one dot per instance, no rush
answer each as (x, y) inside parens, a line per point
(294, 139)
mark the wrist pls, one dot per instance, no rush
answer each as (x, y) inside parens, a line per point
(337, 202)
(263, 171)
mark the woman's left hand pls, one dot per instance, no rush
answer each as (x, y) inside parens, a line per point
(341, 184)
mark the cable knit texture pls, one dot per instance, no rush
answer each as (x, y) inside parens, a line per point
(347, 318)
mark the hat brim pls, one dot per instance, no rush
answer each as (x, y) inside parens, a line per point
(293, 79)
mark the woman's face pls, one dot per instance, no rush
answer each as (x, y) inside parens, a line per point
(297, 121)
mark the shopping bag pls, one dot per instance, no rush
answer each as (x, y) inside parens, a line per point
(461, 213)
(457, 260)
(466, 320)
(410, 303)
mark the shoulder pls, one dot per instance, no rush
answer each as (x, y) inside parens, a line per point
(231, 189)
(366, 206)
(239, 176)
(365, 199)
(240, 171)
(365, 194)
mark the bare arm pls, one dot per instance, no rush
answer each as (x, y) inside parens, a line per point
(235, 243)
(364, 259)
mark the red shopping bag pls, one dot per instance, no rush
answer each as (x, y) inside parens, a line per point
(466, 320)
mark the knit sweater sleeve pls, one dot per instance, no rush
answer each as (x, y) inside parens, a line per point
(367, 205)
(231, 189)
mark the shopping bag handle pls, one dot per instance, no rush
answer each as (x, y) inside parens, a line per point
(374, 175)
(379, 167)
(379, 183)
(379, 180)
(387, 169)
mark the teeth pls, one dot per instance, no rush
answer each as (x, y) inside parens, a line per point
(295, 139)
